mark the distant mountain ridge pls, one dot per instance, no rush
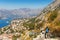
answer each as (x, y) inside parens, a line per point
(19, 13)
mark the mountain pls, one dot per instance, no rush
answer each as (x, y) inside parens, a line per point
(5, 14)
(30, 28)
(26, 12)
(19, 13)
(52, 6)
(46, 18)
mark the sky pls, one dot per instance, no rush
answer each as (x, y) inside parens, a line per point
(16, 4)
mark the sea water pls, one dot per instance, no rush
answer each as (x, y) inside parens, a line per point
(4, 22)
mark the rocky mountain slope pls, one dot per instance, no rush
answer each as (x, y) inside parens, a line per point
(53, 21)
(49, 17)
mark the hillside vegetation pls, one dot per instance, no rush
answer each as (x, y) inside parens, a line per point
(52, 20)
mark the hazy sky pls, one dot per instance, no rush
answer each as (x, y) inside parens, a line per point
(15, 4)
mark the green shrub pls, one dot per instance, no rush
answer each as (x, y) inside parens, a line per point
(52, 16)
(14, 37)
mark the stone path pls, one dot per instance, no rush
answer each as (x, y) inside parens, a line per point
(42, 37)
(47, 39)
(52, 39)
